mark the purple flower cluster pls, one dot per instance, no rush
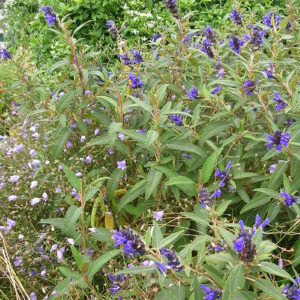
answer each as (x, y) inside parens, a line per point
(117, 282)
(131, 242)
(216, 90)
(269, 73)
(206, 48)
(249, 86)
(211, 293)
(280, 102)
(224, 176)
(235, 43)
(173, 259)
(172, 6)
(279, 139)
(136, 58)
(50, 15)
(236, 17)
(192, 93)
(256, 39)
(207, 199)
(135, 82)
(111, 27)
(155, 37)
(288, 199)
(5, 54)
(176, 119)
(293, 292)
(268, 19)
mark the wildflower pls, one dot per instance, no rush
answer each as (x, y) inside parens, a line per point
(173, 260)
(131, 242)
(78, 174)
(110, 151)
(125, 58)
(2, 185)
(135, 82)
(155, 37)
(288, 199)
(236, 17)
(221, 73)
(235, 44)
(279, 139)
(207, 199)
(14, 178)
(50, 15)
(172, 6)
(216, 90)
(117, 282)
(272, 168)
(211, 293)
(70, 241)
(141, 131)
(111, 26)
(186, 155)
(33, 296)
(249, 86)
(224, 175)
(161, 268)
(92, 229)
(293, 292)
(121, 136)
(269, 73)
(88, 159)
(35, 201)
(33, 184)
(258, 224)
(83, 139)
(121, 164)
(244, 246)
(43, 273)
(210, 34)
(280, 102)
(192, 93)
(137, 57)
(12, 198)
(5, 54)
(268, 19)
(10, 223)
(158, 215)
(206, 48)
(18, 261)
(256, 40)
(69, 145)
(59, 254)
(176, 119)
(53, 247)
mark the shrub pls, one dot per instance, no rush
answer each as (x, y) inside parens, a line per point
(171, 174)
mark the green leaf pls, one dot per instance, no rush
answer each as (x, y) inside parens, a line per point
(77, 257)
(97, 264)
(73, 180)
(151, 137)
(113, 183)
(212, 130)
(157, 236)
(133, 193)
(195, 218)
(268, 287)
(153, 180)
(137, 270)
(56, 222)
(60, 141)
(209, 165)
(275, 270)
(235, 283)
(254, 203)
(268, 192)
(222, 207)
(102, 234)
(184, 183)
(184, 146)
(57, 65)
(171, 238)
(102, 117)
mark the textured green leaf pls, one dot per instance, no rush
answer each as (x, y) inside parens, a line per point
(72, 178)
(235, 283)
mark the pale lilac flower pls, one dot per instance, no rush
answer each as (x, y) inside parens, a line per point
(14, 178)
(60, 253)
(69, 145)
(88, 159)
(35, 135)
(121, 164)
(83, 139)
(35, 201)
(70, 241)
(78, 174)
(43, 273)
(18, 262)
(58, 190)
(2, 185)
(12, 198)
(45, 196)
(121, 136)
(272, 168)
(158, 215)
(10, 223)
(59, 167)
(96, 131)
(21, 237)
(53, 248)
(32, 152)
(33, 184)
(93, 229)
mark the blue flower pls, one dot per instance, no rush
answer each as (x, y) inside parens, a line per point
(210, 34)
(256, 39)
(137, 57)
(131, 242)
(50, 15)
(259, 223)
(235, 44)
(173, 260)
(211, 293)
(161, 268)
(135, 82)
(207, 199)
(192, 93)
(279, 139)
(288, 199)
(249, 86)
(224, 175)
(236, 17)
(293, 292)
(117, 282)
(268, 19)
(172, 6)
(206, 48)
(111, 26)
(155, 37)
(176, 119)
(280, 102)
(5, 54)
(216, 90)
(125, 58)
